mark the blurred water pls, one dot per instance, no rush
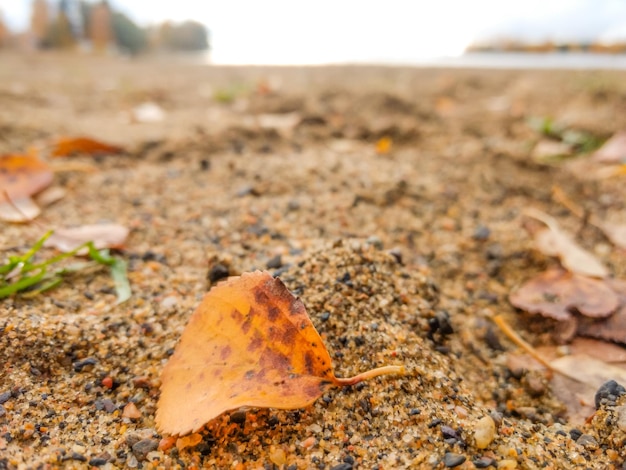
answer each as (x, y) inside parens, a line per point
(496, 60)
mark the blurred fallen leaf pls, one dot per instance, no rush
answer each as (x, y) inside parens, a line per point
(249, 343)
(552, 241)
(613, 150)
(23, 176)
(19, 210)
(50, 195)
(612, 328)
(547, 151)
(616, 233)
(383, 145)
(102, 236)
(556, 293)
(68, 146)
(598, 349)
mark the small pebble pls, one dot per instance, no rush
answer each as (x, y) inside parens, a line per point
(484, 462)
(238, 417)
(450, 433)
(342, 466)
(217, 272)
(608, 393)
(131, 411)
(109, 406)
(481, 233)
(575, 434)
(143, 447)
(451, 459)
(277, 456)
(86, 364)
(97, 461)
(169, 302)
(484, 432)
(274, 262)
(4, 397)
(587, 441)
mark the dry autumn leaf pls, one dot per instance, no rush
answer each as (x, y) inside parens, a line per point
(102, 236)
(613, 150)
(556, 293)
(21, 176)
(552, 241)
(249, 343)
(68, 146)
(614, 327)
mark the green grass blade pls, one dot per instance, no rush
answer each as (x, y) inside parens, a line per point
(23, 283)
(122, 286)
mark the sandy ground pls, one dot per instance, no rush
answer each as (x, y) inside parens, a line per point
(401, 257)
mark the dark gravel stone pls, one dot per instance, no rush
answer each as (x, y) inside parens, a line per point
(451, 460)
(84, 363)
(4, 397)
(143, 447)
(97, 461)
(217, 272)
(275, 262)
(481, 233)
(108, 405)
(484, 462)
(238, 417)
(78, 457)
(575, 434)
(449, 433)
(3, 411)
(342, 466)
(608, 393)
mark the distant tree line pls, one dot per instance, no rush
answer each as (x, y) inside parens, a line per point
(96, 24)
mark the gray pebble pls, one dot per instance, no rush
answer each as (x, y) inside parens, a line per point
(143, 447)
(450, 459)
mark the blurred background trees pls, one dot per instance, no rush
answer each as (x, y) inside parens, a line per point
(95, 25)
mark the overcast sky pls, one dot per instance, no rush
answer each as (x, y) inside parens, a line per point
(288, 31)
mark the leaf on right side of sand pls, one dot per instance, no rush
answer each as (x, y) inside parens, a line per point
(102, 236)
(552, 241)
(616, 233)
(613, 150)
(556, 293)
(68, 146)
(589, 374)
(612, 328)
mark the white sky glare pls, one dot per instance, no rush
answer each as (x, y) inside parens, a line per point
(330, 31)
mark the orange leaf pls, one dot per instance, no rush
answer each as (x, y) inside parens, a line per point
(68, 146)
(22, 176)
(249, 343)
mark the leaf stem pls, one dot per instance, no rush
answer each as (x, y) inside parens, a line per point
(370, 374)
